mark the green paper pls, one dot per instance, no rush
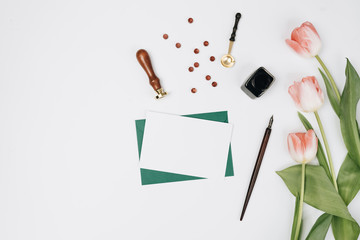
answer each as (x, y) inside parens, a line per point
(140, 126)
(149, 176)
(229, 172)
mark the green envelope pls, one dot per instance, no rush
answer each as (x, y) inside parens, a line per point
(149, 176)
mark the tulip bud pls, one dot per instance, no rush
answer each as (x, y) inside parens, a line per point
(307, 94)
(303, 146)
(305, 40)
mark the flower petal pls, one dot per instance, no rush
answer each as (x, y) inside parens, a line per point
(297, 48)
(311, 146)
(294, 92)
(296, 149)
(308, 40)
(312, 97)
(311, 26)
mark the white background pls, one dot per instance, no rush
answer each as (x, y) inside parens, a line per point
(71, 88)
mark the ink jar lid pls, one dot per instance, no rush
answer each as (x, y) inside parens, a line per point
(257, 84)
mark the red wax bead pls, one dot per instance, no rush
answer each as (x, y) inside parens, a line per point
(165, 36)
(196, 64)
(190, 20)
(206, 43)
(196, 51)
(191, 69)
(178, 45)
(212, 58)
(193, 90)
(214, 84)
(208, 77)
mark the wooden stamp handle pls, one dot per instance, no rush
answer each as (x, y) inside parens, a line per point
(144, 60)
(233, 34)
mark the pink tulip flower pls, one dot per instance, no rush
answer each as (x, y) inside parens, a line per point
(307, 94)
(305, 40)
(303, 146)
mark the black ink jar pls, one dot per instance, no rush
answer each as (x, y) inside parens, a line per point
(258, 83)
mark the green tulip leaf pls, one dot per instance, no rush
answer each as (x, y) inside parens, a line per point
(348, 103)
(349, 185)
(345, 229)
(320, 152)
(334, 101)
(320, 228)
(319, 191)
(348, 180)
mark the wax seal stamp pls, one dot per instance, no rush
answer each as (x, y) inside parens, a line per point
(228, 60)
(145, 62)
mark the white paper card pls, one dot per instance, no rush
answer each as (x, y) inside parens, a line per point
(185, 145)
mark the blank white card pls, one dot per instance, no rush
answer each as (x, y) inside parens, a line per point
(185, 145)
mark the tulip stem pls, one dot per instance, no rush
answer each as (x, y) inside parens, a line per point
(327, 150)
(332, 81)
(302, 190)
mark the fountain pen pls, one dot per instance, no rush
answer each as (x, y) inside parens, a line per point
(257, 166)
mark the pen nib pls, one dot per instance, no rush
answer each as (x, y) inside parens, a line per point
(271, 121)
